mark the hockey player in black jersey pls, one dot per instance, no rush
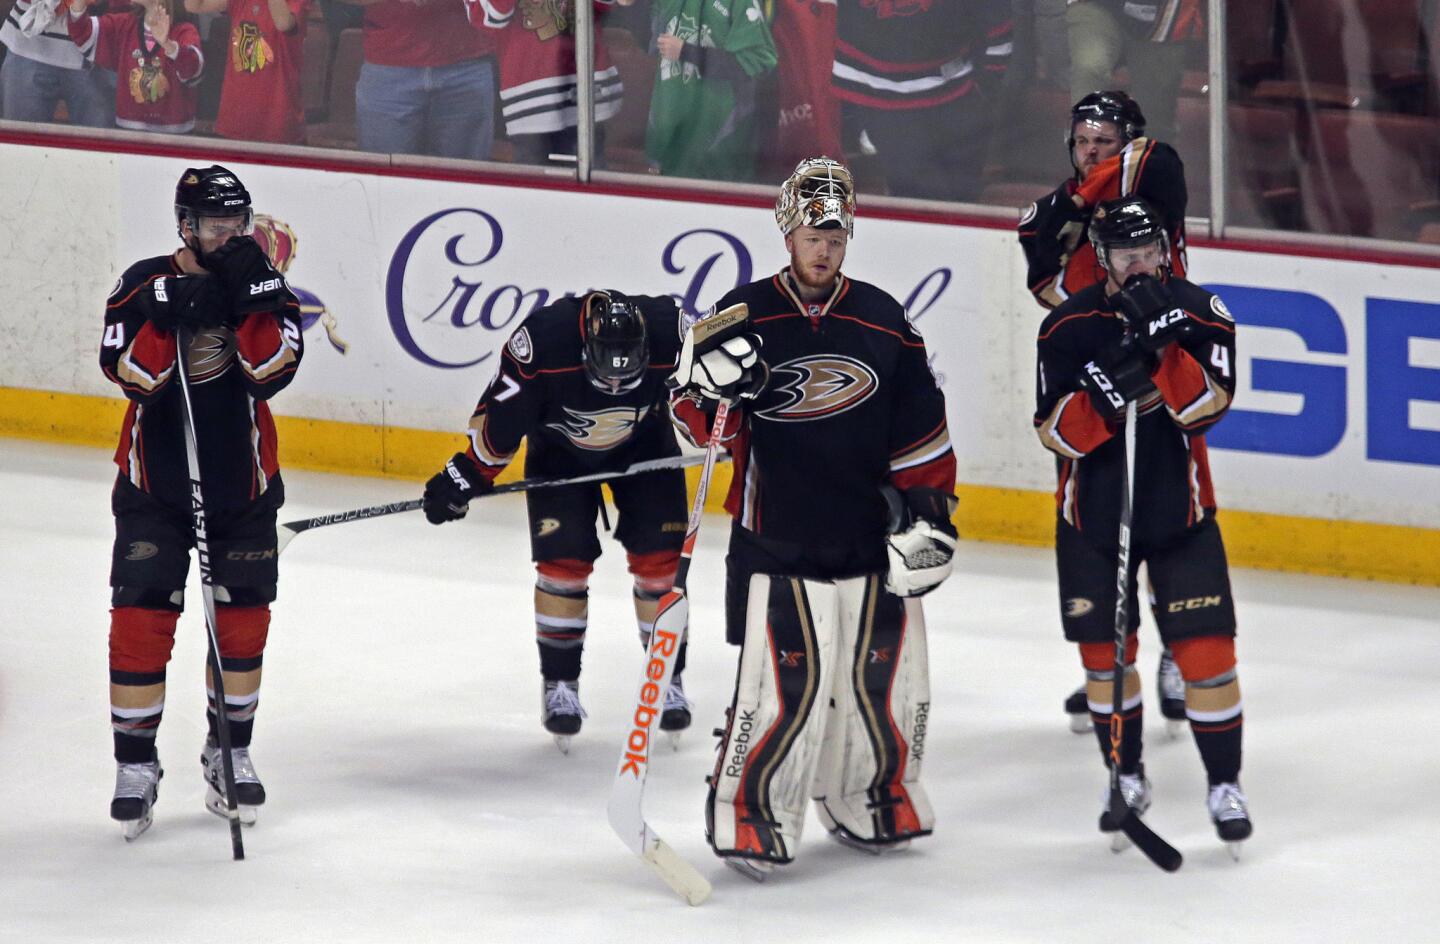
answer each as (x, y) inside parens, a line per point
(582, 382)
(1111, 157)
(220, 290)
(841, 495)
(1145, 335)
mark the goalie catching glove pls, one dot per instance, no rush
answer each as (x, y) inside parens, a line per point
(449, 491)
(921, 541)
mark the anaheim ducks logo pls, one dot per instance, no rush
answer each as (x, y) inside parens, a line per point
(818, 386)
(211, 354)
(601, 429)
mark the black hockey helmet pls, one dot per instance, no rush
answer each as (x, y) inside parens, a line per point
(1127, 223)
(211, 191)
(1113, 106)
(616, 350)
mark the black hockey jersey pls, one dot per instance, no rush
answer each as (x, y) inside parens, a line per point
(851, 404)
(1058, 253)
(1195, 380)
(543, 395)
(903, 54)
(233, 371)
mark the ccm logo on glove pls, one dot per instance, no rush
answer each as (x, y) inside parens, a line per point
(1097, 373)
(1172, 317)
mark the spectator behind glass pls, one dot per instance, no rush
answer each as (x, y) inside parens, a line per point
(919, 79)
(537, 75)
(43, 68)
(1148, 38)
(427, 85)
(808, 111)
(702, 114)
(260, 99)
(158, 64)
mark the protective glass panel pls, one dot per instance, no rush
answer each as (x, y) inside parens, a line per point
(1334, 119)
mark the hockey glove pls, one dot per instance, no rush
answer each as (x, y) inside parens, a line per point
(1117, 377)
(194, 301)
(921, 541)
(449, 491)
(731, 370)
(253, 283)
(1151, 312)
(1059, 222)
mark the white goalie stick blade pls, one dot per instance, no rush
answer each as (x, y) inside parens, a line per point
(627, 794)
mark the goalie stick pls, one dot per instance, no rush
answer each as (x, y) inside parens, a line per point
(207, 594)
(285, 533)
(626, 808)
(1157, 850)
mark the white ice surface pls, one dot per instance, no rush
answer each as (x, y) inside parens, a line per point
(414, 796)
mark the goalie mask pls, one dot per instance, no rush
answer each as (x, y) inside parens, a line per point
(820, 193)
(1128, 224)
(214, 202)
(616, 350)
(1114, 107)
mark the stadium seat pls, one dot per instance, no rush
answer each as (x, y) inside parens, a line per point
(1341, 54)
(1370, 173)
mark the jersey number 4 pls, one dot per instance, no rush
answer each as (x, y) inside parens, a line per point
(114, 336)
(1220, 359)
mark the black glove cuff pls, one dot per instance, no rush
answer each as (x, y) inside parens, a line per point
(920, 503)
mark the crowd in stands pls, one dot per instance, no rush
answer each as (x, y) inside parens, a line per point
(1333, 115)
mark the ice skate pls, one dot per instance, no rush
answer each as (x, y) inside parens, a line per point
(847, 839)
(675, 717)
(561, 711)
(1077, 706)
(136, 787)
(756, 870)
(1171, 686)
(249, 792)
(1230, 812)
(1136, 791)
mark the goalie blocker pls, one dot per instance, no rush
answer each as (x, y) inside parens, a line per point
(831, 703)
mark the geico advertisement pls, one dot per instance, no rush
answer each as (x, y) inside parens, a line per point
(411, 288)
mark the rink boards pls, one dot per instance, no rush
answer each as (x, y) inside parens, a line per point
(1329, 463)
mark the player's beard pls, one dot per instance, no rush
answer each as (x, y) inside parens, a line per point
(806, 280)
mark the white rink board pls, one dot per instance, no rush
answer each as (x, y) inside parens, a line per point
(426, 278)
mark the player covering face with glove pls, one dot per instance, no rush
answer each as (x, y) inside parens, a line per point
(841, 496)
(1148, 337)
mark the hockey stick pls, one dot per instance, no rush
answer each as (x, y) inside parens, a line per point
(207, 592)
(1157, 850)
(285, 533)
(626, 808)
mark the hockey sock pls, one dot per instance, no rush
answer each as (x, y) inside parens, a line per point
(562, 605)
(646, 604)
(1213, 703)
(1099, 661)
(241, 632)
(140, 644)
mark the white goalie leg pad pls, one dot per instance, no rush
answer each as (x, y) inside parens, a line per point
(771, 743)
(867, 787)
